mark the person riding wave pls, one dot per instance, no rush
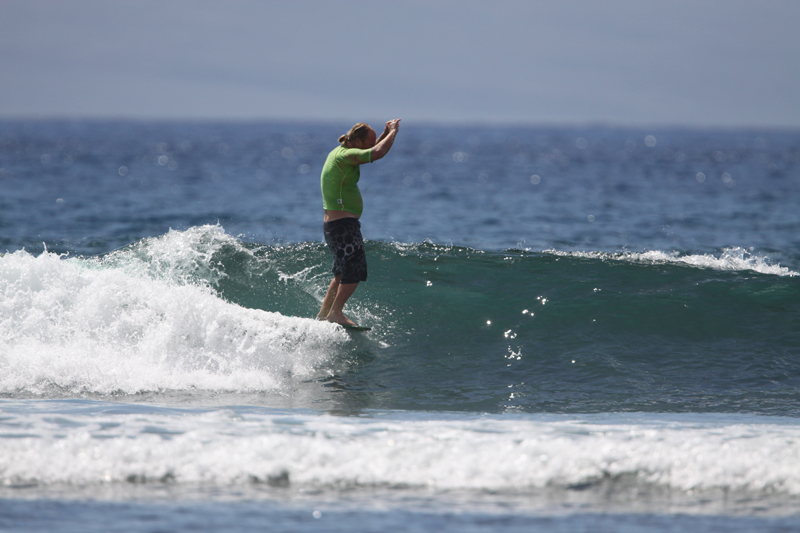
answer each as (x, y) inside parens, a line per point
(343, 205)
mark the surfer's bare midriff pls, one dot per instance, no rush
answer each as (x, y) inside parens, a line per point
(332, 214)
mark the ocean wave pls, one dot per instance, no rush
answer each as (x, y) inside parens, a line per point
(395, 450)
(453, 328)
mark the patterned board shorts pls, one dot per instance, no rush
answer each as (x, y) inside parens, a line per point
(344, 239)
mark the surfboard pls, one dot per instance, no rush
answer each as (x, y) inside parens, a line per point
(355, 328)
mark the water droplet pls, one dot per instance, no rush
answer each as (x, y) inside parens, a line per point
(727, 179)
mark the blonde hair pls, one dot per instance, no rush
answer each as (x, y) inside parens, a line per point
(359, 131)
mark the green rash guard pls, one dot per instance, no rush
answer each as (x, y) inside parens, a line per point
(339, 180)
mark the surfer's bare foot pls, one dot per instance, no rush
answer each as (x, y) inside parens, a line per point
(339, 318)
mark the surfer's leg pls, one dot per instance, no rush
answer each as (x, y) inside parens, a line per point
(349, 267)
(327, 302)
(344, 292)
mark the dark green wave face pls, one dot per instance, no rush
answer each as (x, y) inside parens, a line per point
(462, 329)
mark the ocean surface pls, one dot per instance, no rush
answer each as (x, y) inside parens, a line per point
(586, 329)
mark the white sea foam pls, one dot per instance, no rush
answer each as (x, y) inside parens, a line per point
(179, 257)
(86, 325)
(730, 259)
(512, 453)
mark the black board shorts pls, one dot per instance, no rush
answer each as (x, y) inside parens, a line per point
(345, 242)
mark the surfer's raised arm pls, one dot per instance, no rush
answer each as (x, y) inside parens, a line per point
(385, 141)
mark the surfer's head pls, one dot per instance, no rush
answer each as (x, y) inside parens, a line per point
(359, 136)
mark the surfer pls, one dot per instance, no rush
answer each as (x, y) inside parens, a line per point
(343, 205)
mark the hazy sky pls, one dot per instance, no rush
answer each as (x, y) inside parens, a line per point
(642, 62)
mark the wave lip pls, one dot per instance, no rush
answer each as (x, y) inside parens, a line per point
(733, 259)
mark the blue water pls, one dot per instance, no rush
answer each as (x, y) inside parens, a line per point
(573, 329)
